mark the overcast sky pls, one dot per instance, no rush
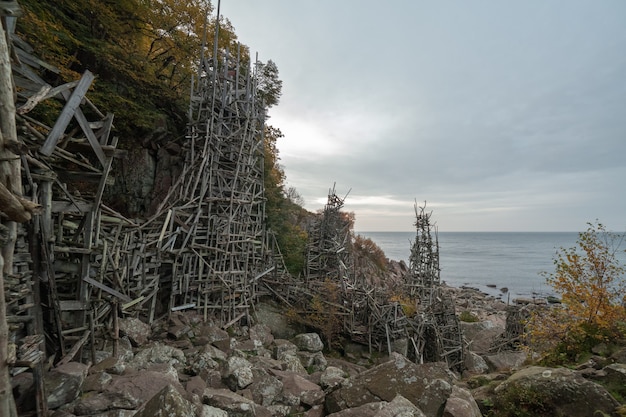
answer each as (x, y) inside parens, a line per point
(502, 115)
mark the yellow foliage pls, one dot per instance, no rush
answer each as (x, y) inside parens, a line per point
(409, 305)
(589, 280)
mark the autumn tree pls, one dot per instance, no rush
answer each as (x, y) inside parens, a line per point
(589, 279)
(285, 217)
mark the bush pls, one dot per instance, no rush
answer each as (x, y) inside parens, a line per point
(468, 317)
(589, 280)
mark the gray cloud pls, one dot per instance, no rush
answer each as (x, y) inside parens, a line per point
(502, 115)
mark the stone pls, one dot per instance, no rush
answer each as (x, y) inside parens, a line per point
(332, 377)
(265, 389)
(461, 403)
(309, 342)
(313, 362)
(263, 334)
(282, 348)
(208, 411)
(158, 353)
(506, 361)
(480, 335)
(400, 407)
(559, 391)
(427, 386)
(615, 378)
(97, 382)
(99, 402)
(273, 316)
(297, 389)
(234, 404)
(475, 364)
(112, 365)
(237, 373)
(365, 410)
(64, 383)
(292, 363)
(137, 331)
(205, 357)
(167, 403)
(143, 385)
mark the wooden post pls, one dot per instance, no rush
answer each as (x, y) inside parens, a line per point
(116, 331)
(10, 177)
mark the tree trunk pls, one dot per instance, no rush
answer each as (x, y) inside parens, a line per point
(10, 177)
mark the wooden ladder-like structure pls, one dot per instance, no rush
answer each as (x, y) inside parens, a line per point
(210, 226)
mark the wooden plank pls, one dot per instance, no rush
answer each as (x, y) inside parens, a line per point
(84, 125)
(107, 289)
(74, 350)
(67, 113)
(69, 207)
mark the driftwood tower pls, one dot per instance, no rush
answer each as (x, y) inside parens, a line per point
(213, 231)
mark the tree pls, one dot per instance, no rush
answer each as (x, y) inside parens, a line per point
(270, 86)
(589, 280)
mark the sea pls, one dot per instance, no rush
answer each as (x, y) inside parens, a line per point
(507, 265)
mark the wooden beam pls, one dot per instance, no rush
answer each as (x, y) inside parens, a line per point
(67, 113)
(107, 289)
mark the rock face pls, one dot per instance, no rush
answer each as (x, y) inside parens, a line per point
(554, 391)
(427, 386)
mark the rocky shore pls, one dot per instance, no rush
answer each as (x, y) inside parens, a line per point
(182, 366)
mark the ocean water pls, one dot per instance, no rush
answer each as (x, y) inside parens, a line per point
(484, 260)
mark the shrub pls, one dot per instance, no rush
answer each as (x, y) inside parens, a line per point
(588, 278)
(468, 317)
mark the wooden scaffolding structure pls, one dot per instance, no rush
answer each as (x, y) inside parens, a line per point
(210, 226)
(434, 332)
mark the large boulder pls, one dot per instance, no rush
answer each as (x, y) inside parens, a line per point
(158, 354)
(266, 388)
(506, 361)
(235, 404)
(461, 403)
(400, 407)
(237, 373)
(167, 403)
(99, 402)
(298, 390)
(553, 392)
(480, 335)
(137, 331)
(64, 383)
(142, 386)
(309, 342)
(427, 386)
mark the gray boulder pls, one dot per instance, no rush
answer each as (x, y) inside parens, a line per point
(158, 354)
(365, 410)
(104, 401)
(137, 331)
(64, 383)
(167, 403)
(266, 388)
(558, 391)
(142, 386)
(234, 404)
(237, 373)
(506, 361)
(298, 390)
(461, 403)
(427, 386)
(309, 342)
(400, 407)
(332, 377)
